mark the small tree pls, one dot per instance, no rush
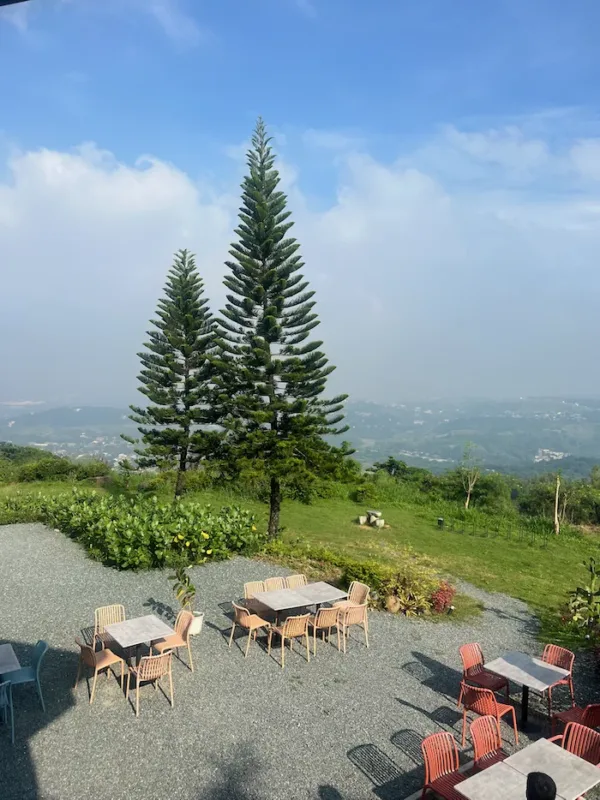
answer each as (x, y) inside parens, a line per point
(270, 374)
(470, 471)
(175, 376)
(556, 501)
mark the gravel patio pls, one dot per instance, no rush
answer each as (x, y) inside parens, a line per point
(339, 728)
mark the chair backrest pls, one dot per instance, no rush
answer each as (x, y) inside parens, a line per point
(272, 584)
(153, 667)
(485, 733)
(582, 741)
(5, 694)
(591, 716)
(326, 617)
(107, 615)
(472, 658)
(239, 612)
(87, 653)
(440, 754)
(481, 701)
(296, 626)
(295, 581)
(252, 587)
(39, 651)
(183, 623)
(558, 657)
(353, 615)
(358, 592)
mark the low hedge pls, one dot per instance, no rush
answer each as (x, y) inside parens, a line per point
(140, 533)
(411, 587)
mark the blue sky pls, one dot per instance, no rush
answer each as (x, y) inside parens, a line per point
(442, 162)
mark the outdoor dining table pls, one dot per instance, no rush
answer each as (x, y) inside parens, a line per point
(312, 594)
(137, 631)
(528, 672)
(8, 660)
(507, 780)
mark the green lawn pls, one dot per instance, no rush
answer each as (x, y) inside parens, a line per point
(542, 577)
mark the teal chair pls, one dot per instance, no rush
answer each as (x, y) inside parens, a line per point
(30, 674)
(6, 705)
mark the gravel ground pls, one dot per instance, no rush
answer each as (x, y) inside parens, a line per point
(339, 728)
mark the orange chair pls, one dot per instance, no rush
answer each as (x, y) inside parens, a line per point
(103, 659)
(181, 637)
(324, 620)
(352, 615)
(150, 670)
(484, 703)
(581, 741)
(588, 716)
(441, 766)
(249, 622)
(559, 657)
(273, 584)
(474, 672)
(358, 594)
(295, 581)
(487, 742)
(292, 628)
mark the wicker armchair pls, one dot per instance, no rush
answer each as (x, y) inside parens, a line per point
(295, 581)
(292, 628)
(249, 622)
(353, 615)
(97, 661)
(273, 584)
(150, 670)
(324, 620)
(106, 615)
(358, 595)
(181, 637)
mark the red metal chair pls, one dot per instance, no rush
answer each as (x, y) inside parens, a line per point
(559, 657)
(474, 671)
(484, 703)
(581, 741)
(588, 716)
(487, 742)
(441, 766)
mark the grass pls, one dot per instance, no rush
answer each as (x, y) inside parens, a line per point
(541, 577)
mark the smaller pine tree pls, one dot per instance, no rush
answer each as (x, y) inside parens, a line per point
(175, 376)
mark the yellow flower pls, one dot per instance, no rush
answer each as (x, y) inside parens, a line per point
(204, 535)
(254, 527)
(209, 552)
(187, 544)
(180, 537)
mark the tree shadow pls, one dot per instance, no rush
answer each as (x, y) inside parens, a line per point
(163, 610)
(57, 676)
(235, 777)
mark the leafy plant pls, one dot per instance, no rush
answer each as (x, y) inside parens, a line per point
(584, 602)
(184, 589)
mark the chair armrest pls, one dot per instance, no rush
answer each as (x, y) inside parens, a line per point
(556, 738)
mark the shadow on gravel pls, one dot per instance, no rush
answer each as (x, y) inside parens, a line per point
(329, 793)
(433, 674)
(443, 716)
(236, 777)
(163, 610)
(390, 781)
(17, 771)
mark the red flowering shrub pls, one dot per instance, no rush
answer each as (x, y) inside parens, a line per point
(442, 598)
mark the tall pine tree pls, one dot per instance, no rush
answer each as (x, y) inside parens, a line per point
(270, 375)
(175, 376)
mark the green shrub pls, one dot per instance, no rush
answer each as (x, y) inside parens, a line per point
(46, 469)
(140, 533)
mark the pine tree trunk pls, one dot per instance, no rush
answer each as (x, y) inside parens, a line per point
(180, 482)
(275, 508)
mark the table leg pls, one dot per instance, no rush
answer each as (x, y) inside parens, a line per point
(138, 655)
(524, 706)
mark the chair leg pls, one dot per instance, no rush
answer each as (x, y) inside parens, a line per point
(232, 632)
(344, 636)
(550, 702)
(40, 695)
(367, 635)
(269, 643)
(315, 642)
(338, 637)
(248, 644)
(572, 692)
(307, 647)
(283, 652)
(93, 686)
(171, 687)
(190, 655)
(137, 698)
(122, 674)
(514, 716)
(12, 718)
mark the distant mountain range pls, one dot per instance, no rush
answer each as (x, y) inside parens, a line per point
(524, 436)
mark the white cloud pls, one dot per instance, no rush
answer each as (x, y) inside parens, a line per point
(585, 155)
(17, 15)
(178, 25)
(331, 140)
(422, 289)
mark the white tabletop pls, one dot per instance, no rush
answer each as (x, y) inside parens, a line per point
(321, 592)
(526, 671)
(572, 775)
(139, 630)
(281, 599)
(8, 660)
(498, 782)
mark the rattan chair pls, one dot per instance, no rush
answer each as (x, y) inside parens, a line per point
(292, 628)
(181, 637)
(151, 669)
(358, 595)
(97, 661)
(324, 620)
(353, 615)
(103, 616)
(249, 622)
(295, 581)
(273, 584)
